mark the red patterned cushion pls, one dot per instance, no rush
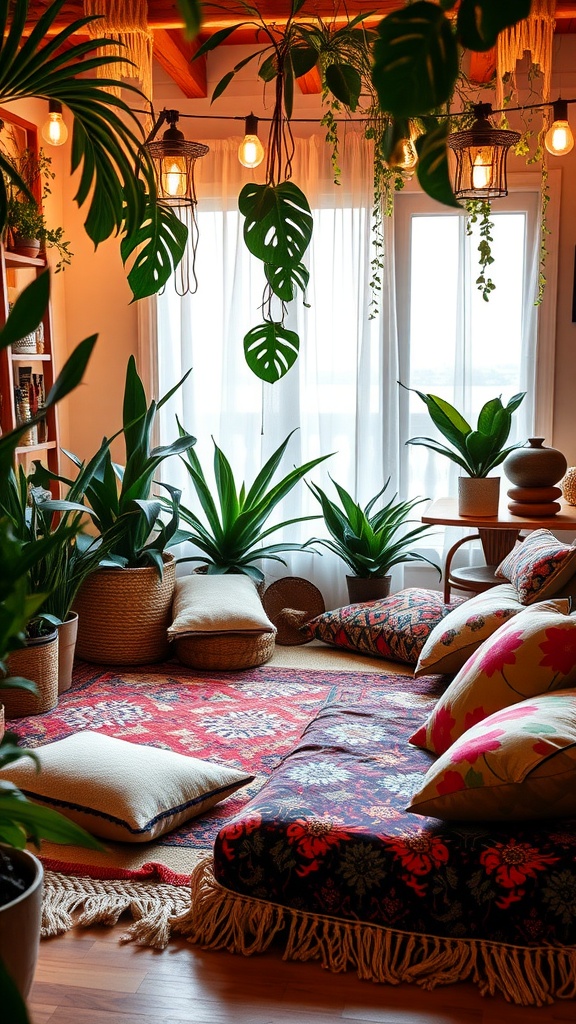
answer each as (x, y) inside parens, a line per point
(395, 628)
(539, 566)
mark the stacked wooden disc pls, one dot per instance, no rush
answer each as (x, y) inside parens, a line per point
(535, 471)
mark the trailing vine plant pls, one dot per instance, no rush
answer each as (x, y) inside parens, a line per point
(479, 212)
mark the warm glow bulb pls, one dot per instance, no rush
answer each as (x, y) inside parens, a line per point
(174, 177)
(482, 170)
(404, 156)
(559, 139)
(54, 131)
(250, 151)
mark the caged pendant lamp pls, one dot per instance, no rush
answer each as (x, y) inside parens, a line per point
(481, 152)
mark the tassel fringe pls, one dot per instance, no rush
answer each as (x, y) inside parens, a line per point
(71, 900)
(221, 919)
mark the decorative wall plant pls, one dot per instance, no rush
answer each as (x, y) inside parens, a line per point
(408, 69)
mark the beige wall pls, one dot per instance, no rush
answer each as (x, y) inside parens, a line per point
(92, 295)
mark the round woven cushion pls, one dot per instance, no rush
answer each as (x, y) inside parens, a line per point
(124, 614)
(227, 651)
(289, 603)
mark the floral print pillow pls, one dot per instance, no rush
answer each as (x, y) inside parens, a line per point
(532, 653)
(518, 764)
(453, 640)
(539, 566)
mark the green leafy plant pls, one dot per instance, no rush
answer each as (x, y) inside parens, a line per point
(24, 217)
(370, 543)
(231, 539)
(19, 817)
(478, 451)
(127, 517)
(116, 177)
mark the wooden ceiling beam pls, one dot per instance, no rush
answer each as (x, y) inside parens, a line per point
(174, 54)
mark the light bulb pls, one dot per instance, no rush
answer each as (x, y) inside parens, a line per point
(404, 156)
(174, 177)
(54, 131)
(482, 170)
(251, 150)
(559, 139)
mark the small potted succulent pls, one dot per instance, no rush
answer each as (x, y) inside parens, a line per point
(477, 451)
(371, 543)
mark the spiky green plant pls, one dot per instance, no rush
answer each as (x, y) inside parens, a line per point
(370, 543)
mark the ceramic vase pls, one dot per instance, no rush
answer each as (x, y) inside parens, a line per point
(478, 495)
(20, 921)
(534, 465)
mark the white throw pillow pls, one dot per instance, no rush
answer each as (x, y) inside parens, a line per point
(226, 603)
(120, 790)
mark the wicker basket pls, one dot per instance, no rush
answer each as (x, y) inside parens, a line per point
(37, 661)
(123, 615)
(228, 651)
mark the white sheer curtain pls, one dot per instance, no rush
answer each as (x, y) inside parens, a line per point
(340, 397)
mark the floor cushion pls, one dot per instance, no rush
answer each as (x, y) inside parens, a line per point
(395, 628)
(120, 790)
(539, 566)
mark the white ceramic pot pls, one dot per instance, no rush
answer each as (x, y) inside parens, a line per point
(20, 921)
(478, 495)
(67, 633)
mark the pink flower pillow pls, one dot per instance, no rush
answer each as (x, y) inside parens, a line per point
(519, 763)
(530, 654)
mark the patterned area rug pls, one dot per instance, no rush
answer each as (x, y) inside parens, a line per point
(248, 720)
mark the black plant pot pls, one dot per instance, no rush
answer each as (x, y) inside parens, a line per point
(20, 919)
(372, 588)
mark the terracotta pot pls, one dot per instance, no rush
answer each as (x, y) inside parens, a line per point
(478, 495)
(67, 634)
(534, 465)
(20, 920)
(124, 615)
(26, 246)
(371, 588)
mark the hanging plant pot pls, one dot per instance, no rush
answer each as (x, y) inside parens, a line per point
(67, 635)
(478, 495)
(370, 588)
(21, 915)
(37, 661)
(124, 615)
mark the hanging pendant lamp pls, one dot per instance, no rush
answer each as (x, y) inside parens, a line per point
(174, 159)
(481, 152)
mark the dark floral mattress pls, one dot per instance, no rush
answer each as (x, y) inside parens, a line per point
(328, 834)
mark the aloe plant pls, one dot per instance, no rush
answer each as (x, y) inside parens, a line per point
(370, 543)
(129, 521)
(231, 538)
(477, 451)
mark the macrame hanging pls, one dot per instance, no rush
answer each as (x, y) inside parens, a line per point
(535, 34)
(126, 22)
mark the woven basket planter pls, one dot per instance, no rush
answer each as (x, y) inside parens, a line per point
(123, 615)
(228, 651)
(37, 661)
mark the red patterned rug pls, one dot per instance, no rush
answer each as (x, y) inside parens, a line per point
(248, 720)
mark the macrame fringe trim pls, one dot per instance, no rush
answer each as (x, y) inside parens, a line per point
(73, 900)
(221, 919)
(534, 34)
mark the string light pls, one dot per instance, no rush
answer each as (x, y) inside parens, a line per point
(559, 139)
(54, 131)
(251, 150)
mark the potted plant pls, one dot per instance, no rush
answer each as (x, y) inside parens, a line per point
(20, 870)
(124, 606)
(232, 537)
(370, 542)
(477, 451)
(26, 230)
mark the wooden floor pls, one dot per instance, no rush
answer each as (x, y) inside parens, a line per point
(88, 977)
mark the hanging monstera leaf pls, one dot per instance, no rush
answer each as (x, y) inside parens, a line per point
(270, 350)
(284, 280)
(278, 225)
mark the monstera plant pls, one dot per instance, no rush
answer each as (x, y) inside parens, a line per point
(408, 68)
(116, 181)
